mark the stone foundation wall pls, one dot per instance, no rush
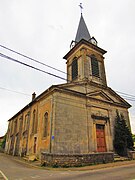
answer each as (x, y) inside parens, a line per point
(131, 154)
(71, 160)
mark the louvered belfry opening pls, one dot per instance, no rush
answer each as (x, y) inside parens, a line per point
(95, 66)
(74, 69)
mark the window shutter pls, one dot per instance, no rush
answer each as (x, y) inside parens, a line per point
(95, 66)
(74, 69)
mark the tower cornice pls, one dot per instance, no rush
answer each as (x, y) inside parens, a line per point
(83, 41)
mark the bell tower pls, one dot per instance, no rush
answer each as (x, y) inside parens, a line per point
(85, 59)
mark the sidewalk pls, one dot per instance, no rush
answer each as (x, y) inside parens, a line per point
(36, 164)
(102, 166)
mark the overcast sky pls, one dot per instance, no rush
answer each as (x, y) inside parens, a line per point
(44, 29)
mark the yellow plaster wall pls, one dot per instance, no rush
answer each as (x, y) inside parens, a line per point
(26, 136)
(44, 142)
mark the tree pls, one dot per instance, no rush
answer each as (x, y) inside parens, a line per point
(133, 136)
(122, 136)
(2, 144)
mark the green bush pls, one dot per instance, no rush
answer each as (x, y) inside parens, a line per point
(3, 143)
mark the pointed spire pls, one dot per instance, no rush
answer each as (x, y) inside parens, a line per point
(82, 32)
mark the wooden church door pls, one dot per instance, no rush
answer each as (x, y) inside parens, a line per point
(100, 132)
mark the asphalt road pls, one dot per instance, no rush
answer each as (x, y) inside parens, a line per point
(15, 170)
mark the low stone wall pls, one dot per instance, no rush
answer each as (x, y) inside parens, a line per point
(74, 160)
(1, 150)
(131, 154)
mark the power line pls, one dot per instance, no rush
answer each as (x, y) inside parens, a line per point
(15, 60)
(126, 94)
(125, 97)
(32, 59)
(129, 99)
(14, 91)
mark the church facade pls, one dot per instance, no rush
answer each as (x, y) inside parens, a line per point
(74, 118)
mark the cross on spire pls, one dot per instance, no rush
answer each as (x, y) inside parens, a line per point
(81, 7)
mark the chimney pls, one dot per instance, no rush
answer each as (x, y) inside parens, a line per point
(33, 96)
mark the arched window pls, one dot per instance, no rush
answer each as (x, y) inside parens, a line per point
(15, 126)
(74, 69)
(20, 124)
(95, 66)
(33, 121)
(45, 131)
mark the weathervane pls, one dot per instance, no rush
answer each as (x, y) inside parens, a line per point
(81, 7)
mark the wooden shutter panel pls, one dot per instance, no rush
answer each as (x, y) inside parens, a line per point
(95, 67)
(74, 69)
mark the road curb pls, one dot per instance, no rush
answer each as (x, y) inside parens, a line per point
(85, 168)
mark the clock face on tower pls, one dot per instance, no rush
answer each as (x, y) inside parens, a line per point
(93, 41)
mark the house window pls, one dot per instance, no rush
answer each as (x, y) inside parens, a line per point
(95, 66)
(74, 69)
(45, 124)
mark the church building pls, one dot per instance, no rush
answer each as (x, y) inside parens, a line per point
(72, 122)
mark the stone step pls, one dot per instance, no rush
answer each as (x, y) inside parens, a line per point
(120, 158)
(26, 158)
(30, 157)
(116, 156)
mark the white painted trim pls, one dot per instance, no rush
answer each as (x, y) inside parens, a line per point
(3, 175)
